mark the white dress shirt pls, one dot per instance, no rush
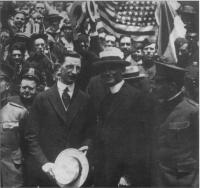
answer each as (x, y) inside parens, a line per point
(114, 89)
(61, 87)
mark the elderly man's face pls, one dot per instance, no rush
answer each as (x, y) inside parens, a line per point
(17, 57)
(110, 41)
(125, 45)
(150, 50)
(112, 75)
(39, 45)
(19, 20)
(70, 70)
(28, 89)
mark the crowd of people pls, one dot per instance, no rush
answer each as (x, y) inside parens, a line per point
(133, 112)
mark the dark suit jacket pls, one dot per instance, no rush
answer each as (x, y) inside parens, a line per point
(51, 129)
(121, 138)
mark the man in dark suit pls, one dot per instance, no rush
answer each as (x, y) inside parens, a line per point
(120, 136)
(60, 119)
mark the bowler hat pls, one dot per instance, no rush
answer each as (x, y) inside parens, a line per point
(111, 56)
(71, 168)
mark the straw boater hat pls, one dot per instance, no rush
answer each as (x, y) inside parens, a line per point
(111, 56)
(132, 72)
(71, 168)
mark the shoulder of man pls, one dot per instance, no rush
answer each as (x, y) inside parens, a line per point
(15, 100)
(192, 103)
(189, 105)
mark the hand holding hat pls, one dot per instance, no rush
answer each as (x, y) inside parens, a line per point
(48, 168)
(70, 169)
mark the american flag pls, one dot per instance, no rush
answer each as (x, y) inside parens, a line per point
(135, 18)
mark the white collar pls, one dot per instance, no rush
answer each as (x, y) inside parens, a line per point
(61, 87)
(114, 89)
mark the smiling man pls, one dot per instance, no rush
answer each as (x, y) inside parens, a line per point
(60, 119)
(18, 22)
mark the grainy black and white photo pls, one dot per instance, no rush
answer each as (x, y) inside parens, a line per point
(99, 94)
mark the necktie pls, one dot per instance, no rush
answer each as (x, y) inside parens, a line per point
(66, 98)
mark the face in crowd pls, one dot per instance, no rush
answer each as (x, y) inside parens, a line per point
(28, 89)
(4, 37)
(4, 84)
(164, 89)
(19, 20)
(112, 75)
(17, 57)
(137, 55)
(59, 6)
(39, 45)
(37, 18)
(125, 45)
(183, 52)
(55, 24)
(110, 41)
(70, 70)
(67, 33)
(40, 7)
(150, 50)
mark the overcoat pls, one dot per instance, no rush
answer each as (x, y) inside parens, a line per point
(51, 129)
(120, 141)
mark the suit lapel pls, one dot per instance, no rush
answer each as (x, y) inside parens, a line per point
(76, 103)
(56, 102)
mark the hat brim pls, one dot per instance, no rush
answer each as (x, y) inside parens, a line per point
(103, 63)
(80, 156)
(54, 16)
(129, 77)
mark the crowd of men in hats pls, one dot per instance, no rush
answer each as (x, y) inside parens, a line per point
(133, 113)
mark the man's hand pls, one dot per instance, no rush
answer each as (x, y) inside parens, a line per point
(84, 149)
(48, 168)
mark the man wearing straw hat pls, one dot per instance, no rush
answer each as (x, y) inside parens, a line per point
(120, 136)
